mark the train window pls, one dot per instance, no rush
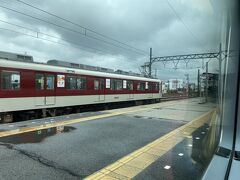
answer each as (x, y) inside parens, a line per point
(119, 84)
(124, 84)
(113, 84)
(50, 82)
(116, 84)
(96, 84)
(130, 85)
(141, 86)
(101, 84)
(150, 88)
(39, 81)
(146, 85)
(10, 80)
(108, 83)
(71, 82)
(81, 83)
(156, 87)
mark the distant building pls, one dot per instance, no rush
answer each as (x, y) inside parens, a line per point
(192, 86)
(164, 87)
(15, 56)
(175, 84)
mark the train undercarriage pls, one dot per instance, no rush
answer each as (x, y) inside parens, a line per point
(16, 116)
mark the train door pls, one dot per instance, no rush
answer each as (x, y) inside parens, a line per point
(45, 89)
(50, 94)
(148, 87)
(130, 89)
(99, 87)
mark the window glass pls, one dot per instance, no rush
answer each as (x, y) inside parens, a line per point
(108, 83)
(156, 87)
(141, 86)
(130, 85)
(146, 85)
(119, 84)
(101, 84)
(50, 82)
(96, 84)
(113, 84)
(124, 84)
(39, 81)
(138, 86)
(116, 84)
(10, 80)
(71, 82)
(81, 83)
(150, 86)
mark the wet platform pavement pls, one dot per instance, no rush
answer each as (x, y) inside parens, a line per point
(184, 161)
(96, 140)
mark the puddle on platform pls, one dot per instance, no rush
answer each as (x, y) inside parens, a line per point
(36, 136)
(138, 116)
(22, 126)
(158, 108)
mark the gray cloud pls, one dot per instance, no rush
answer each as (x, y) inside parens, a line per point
(139, 23)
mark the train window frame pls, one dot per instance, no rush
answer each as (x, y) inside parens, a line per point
(12, 72)
(116, 84)
(53, 83)
(80, 83)
(119, 85)
(43, 82)
(141, 86)
(96, 84)
(68, 85)
(108, 83)
(130, 88)
(83, 83)
(101, 84)
(150, 86)
(146, 85)
(156, 86)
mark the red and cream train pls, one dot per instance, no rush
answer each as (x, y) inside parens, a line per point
(40, 89)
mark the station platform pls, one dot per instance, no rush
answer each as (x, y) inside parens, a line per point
(156, 141)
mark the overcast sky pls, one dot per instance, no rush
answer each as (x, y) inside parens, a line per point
(139, 23)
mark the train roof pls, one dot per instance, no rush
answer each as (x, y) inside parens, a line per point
(61, 69)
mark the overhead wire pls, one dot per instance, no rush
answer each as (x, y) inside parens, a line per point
(63, 44)
(76, 24)
(185, 25)
(75, 45)
(66, 28)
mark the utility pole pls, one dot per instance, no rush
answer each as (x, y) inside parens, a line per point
(187, 84)
(198, 82)
(150, 63)
(206, 81)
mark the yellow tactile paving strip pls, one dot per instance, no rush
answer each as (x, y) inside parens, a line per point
(110, 113)
(135, 162)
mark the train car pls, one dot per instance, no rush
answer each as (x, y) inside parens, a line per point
(41, 89)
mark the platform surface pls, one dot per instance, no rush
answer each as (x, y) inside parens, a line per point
(156, 141)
